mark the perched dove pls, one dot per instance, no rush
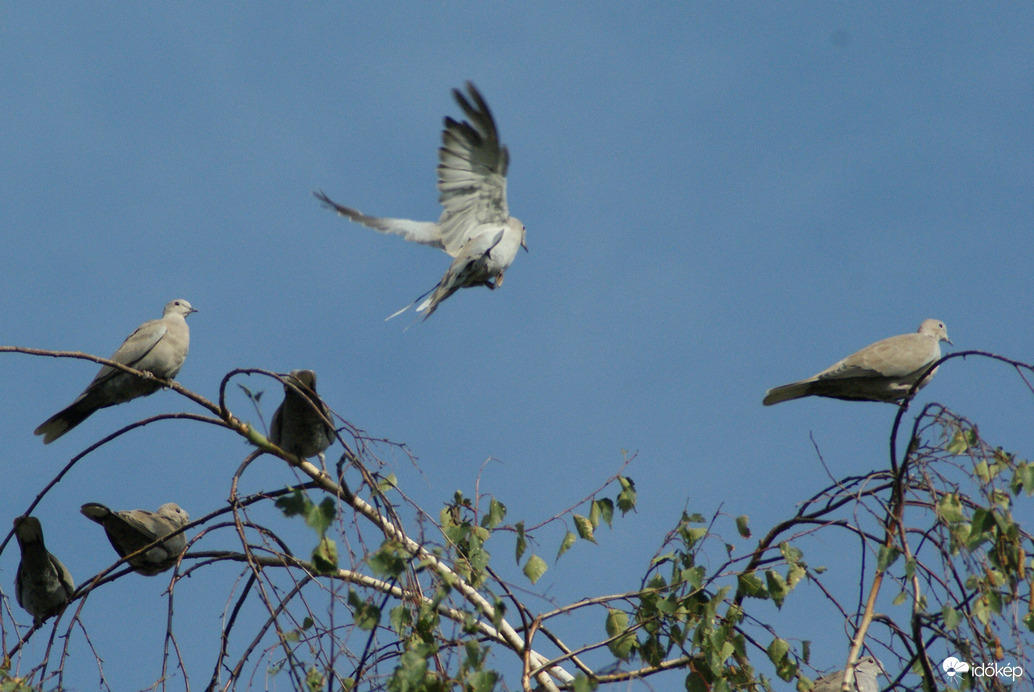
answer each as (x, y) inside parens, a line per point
(865, 673)
(300, 424)
(130, 530)
(158, 347)
(476, 227)
(42, 585)
(882, 371)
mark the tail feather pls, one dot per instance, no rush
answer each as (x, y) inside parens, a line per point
(95, 511)
(64, 420)
(795, 390)
(419, 309)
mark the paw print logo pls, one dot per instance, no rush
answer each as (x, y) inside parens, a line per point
(953, 666)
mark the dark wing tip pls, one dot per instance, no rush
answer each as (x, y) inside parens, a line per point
(477, 111)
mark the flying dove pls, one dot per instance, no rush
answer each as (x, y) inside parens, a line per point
(300, 424)
(158, 347)
(883, 371)
(865, 673)
(42, 585)
(130, 530)
(476, 227)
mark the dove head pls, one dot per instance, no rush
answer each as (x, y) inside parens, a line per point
(870, 665)
(28, 530)
(306, 378)
(934, 329)
(865, 673)
(178, 307)
(173, 512)
(516, 225)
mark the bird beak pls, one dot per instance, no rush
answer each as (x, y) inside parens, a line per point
(524, 245)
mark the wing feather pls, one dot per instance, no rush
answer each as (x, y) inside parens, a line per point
(472, 166)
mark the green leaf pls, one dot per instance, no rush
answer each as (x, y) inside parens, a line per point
(741, 526)
(1023, 478)
(314, 679)
(694, 576)
(594, 514)
(791, 553)
(386, 483)
(666, 557)
(981, 610)
(777, 587)
(534, 568)
(692, 535)
(982, 472)
(959, 443)
(750, 585)
(900, 598)
(605, 508)
(496, 512)
(778, 650)
(795, 575)
(617, 626)
(522, 543)
(365, 615)
(950, 509)
(482, 681)
(695, 683)
(785, 666)
(952, 617)
(401, 620)
(411, 671)
(583, 684)
(888, 555)
(626, 498)
(321, 516)
(294, 504)
(324, 556)
(388, 560)
(565, 545)
(584, 527)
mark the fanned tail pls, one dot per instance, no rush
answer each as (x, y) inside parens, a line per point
(419, 309)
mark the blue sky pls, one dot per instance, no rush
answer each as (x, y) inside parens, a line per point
(718, 199)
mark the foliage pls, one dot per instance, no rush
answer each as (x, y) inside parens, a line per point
(395, 597)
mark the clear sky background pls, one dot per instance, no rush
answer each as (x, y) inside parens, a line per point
(719, 199)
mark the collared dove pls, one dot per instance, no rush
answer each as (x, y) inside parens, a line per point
(298, 426)
(865, 673)
(883, 371)
(476, 227)
(130, 530)
(158, 347)
(42, 585)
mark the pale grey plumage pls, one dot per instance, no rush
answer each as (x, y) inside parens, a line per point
(475, 227)
(158, 347)
(42, 585)
(131, 530)
(301, 424)
(883, 371)
(865, 673)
